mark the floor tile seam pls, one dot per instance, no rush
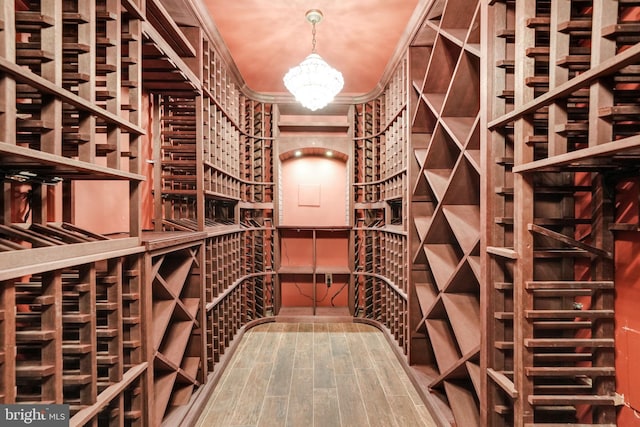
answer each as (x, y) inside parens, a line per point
(360, 395)
(358, 382)
(273, 365)
(376, 363)
(254, 364)
(397, 368)
(295, 346)
(327, 331)
(212, 402)
(379, 374)
(378, 367)
(244, 343)
(335, 378)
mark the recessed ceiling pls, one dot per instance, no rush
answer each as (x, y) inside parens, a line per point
(267, 37)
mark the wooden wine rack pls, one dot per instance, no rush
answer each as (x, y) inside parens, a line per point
(177, 338)
(559, 138)
(380, 129)
(444, 210)
(257, 152)
(239, 286)
(484, 180)
(89, 355)
(72, 300)
(214, 180)
(126, 328)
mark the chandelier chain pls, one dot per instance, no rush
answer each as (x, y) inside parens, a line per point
(313, 39)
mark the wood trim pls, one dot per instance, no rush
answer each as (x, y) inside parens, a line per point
(606, 67)
(52, 258)
(570, 241)
(26, 158)
(156, 11)
(42, 84)
(221, 297)
(581, 158)
(155, 37)
(85, 415)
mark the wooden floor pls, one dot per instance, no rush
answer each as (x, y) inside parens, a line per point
(315, 375)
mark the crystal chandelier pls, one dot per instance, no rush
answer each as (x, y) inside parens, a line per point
(314, 83)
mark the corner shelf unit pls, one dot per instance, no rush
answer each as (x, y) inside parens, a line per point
(559, 138)
(380, 132)
(444, 208)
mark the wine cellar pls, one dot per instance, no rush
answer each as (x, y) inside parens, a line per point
(487, 216)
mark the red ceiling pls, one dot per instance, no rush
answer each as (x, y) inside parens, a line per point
(267, 37)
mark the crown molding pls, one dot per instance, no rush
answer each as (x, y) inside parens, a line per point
(208, 25)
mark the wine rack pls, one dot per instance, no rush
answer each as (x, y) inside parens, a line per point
(93, 345)
(444, 208)
(258, 258)
(118, 323)
(239, 288)
(72, 297)
(198, 183)
(177, 319)
(550, 247)
(257, 152)
(224, 261)
(215, 176)
(500, 273)
(483, 215)
(380, 129)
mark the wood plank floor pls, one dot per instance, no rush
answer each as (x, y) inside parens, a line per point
(315, 375)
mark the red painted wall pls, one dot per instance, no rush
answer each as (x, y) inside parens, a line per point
(314, 193)
(627, 318)
(103, 206)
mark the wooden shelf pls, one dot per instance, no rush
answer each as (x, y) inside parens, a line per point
(465, 224)
(466, 277)
(48, 166)
(463, 311)
(427, 296)
(178, 310)
(443, 343)
(463, 403)
(445, 206)
(333, 269)
(163, 388)
(162, 311)
(296, 269)
(311, 252)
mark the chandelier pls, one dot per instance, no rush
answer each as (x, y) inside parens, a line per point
(314, 83)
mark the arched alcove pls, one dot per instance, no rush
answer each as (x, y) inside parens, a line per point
(313, 188)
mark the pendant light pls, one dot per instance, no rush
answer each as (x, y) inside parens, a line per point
(314, 83)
